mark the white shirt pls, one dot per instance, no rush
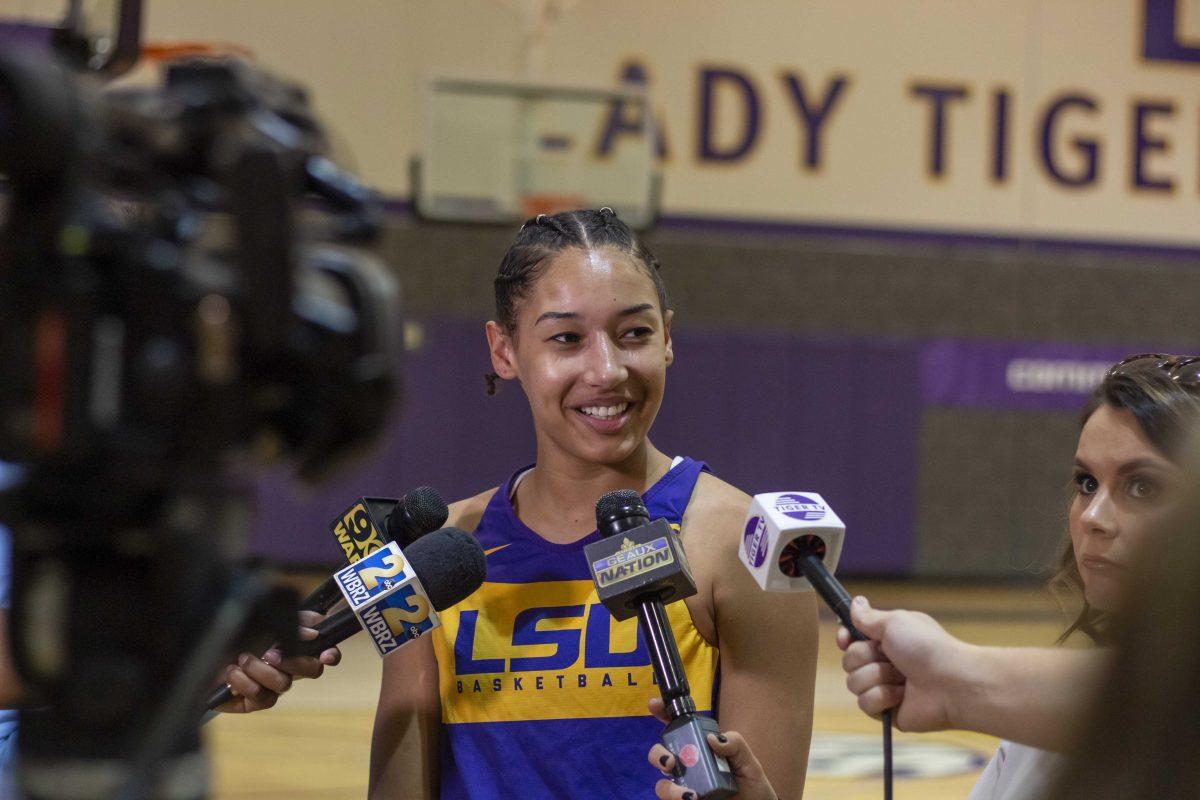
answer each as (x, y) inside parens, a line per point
(1018, 772)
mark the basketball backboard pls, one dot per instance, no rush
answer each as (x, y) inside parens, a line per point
(492, 151)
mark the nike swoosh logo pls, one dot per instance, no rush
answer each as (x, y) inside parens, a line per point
(494, 549)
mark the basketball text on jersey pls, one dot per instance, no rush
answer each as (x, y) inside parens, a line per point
(551, 650)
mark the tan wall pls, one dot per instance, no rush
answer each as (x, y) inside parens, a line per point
(364, 60)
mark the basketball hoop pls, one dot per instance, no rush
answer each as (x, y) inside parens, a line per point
(171, 50)
(550, 203)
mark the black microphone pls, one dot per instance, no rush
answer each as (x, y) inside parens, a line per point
(805, 556)
(360, 531)
(448, 564)
(637, 565)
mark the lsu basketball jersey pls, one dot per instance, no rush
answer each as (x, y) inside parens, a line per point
(543, 693)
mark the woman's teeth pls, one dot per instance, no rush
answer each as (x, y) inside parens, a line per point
(605, 412)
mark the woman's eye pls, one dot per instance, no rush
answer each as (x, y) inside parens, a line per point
(1087, 484)
(566, 338)
(1143, 489)
(638, 333)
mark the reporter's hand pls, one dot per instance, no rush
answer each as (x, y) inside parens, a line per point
(258, 682)
(909, 664)
(752, 781)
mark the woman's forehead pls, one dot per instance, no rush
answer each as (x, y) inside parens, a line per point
(581, 280)
(1113, 436)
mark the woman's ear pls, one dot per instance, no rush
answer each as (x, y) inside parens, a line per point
(668, 315)
(504, 356)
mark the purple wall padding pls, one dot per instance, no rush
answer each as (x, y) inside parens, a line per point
(1023, 376)
(27, 34)
(769, 412)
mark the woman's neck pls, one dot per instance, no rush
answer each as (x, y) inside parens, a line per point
(558, 497)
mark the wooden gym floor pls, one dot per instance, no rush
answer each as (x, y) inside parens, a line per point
(316, 742)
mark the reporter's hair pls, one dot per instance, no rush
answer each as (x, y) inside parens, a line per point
(545, 236)
(1167, 414)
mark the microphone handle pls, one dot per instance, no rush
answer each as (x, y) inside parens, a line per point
(838, 599)
(330, 633)
(832, 592)
(705, 776)
(664, 657)
(322, 598)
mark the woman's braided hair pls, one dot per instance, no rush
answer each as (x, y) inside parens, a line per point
(547, 235)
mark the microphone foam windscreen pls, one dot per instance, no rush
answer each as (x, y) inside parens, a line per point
(450, 565)
(621, 503)
(425, 508)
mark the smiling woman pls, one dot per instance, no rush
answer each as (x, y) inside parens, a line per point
(529, 688)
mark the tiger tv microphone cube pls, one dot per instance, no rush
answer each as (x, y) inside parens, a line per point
(775, 526)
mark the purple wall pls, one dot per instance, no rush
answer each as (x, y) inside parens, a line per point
(767, 411)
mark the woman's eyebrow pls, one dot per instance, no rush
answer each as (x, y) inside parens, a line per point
(1144, 463)
(627, 312)
(556, 315)
(636, 309)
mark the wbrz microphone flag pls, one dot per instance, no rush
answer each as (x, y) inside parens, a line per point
(384, 593)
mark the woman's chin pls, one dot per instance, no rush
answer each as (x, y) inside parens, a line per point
(1104, 599)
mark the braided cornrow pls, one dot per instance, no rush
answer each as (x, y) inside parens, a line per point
(549, 234)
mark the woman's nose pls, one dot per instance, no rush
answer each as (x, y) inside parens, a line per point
(604, 363)
(1099, 518)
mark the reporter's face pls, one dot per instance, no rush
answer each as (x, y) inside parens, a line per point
(591, 351)
(1127, 491)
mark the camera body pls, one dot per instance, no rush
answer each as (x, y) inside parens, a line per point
(173, 288)
(187, 291)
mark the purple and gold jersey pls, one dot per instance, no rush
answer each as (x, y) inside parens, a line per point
(543, 694)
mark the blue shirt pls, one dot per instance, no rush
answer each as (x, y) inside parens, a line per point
(8, 717)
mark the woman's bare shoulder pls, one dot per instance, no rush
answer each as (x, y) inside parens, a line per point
(466, 513)
(715, 504)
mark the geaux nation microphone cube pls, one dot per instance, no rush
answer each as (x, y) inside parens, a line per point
(647, 559)
(781, 528)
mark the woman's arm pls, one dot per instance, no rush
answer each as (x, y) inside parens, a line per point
(768, 646)
(937, 682)
(404, 745)
(408, 719)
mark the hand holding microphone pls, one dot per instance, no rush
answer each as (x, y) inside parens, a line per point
(791, 543)
(752, 780)
(255, 683)
(395, 593)
(908, 664)
(637, 566)
(369, 524)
